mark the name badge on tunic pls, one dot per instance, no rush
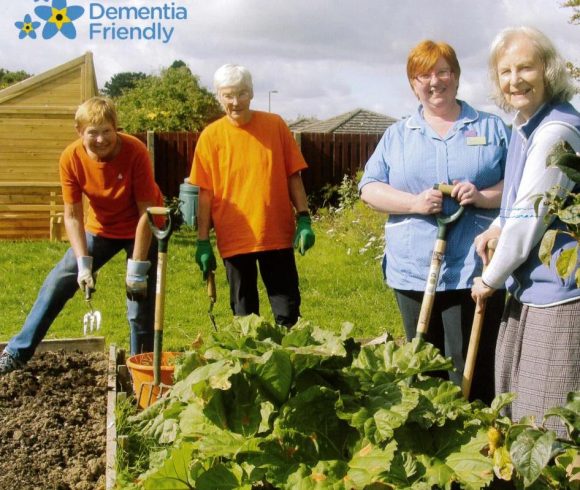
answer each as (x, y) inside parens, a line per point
(476, 140)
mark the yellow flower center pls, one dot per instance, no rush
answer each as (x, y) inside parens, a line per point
(59, 18)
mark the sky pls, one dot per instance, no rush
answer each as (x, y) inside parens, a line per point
(321, 57)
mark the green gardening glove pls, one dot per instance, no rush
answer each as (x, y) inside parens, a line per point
(204, 257)
(304, 237)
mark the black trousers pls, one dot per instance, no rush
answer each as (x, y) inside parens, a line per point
(280, 277)
(450, 328)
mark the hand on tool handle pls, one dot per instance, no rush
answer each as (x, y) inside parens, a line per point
(85, 276)
(304, 237)
(486, 241)
(465, 193)
(482, 242)
(430, 201)
(205, 257)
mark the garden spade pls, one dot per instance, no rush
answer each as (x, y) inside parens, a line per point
(212, 294)
(475, 332)
(92, 319)
(154, 214)
(436, 261)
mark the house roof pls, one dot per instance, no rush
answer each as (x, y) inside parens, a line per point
(301, 122)
(356, 121)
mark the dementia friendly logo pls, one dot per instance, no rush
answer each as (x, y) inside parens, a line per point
(107, 22)
(58, 17)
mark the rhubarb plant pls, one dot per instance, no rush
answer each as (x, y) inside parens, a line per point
(260, 406)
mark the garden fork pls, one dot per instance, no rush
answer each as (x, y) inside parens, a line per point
(92, 319)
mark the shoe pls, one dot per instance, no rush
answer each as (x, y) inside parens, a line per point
(9, 363)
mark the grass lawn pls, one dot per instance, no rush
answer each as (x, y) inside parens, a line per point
(340, 280)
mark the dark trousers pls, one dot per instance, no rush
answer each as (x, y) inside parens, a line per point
(280, 277)
(450, 328)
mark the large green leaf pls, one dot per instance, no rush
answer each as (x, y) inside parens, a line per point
(222, 477)
(546, 246)
(310, 416)
(397, 406)
(567, 262)
(174, 473)
(472, 469)
(366, 465)
(408, 360)
(531, 452)
(326, 475)
(565, 158)
(570, 215)
(195, 422)
(569, 415)
(215, 375)
(570, 164)
(437, 473)
(274, 373)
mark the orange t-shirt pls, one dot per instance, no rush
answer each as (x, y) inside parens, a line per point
(247, 168)
(112, 188)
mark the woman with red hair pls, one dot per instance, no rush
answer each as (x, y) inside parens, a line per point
(445, 141)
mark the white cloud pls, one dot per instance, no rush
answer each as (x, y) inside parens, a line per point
(324, 57)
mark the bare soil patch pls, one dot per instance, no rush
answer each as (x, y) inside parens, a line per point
(53, 423)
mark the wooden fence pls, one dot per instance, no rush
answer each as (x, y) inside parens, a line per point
(172, 154)
(329, 157)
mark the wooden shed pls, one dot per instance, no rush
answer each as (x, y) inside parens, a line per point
(36, 124)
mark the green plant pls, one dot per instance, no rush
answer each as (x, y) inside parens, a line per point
(259, 406)
(531, 456)
(174, 204)
(347, 193)
(565, 206)
(337, 197)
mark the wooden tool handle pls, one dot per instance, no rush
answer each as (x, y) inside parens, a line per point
(476, 331)
(158, 210)
(444, 188)
(211, 291)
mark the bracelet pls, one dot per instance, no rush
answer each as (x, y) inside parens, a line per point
(303, 213)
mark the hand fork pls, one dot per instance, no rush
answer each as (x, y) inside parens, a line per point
(92, 319)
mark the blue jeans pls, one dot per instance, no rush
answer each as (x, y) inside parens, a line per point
(61, 285)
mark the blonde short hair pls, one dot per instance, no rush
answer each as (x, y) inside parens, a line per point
(96, 111)
(558, 84)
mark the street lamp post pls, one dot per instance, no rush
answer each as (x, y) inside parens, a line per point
(270, 92)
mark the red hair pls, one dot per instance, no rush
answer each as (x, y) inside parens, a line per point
(423, 57)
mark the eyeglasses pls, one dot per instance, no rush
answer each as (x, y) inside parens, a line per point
(231, 96)
(442, 75)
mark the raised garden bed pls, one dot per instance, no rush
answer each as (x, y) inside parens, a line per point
(53, 418)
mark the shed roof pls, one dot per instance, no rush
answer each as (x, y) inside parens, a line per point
(61, 88)
(356, 121)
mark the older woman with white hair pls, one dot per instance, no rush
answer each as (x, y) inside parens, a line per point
(247, 166)
(538, 348)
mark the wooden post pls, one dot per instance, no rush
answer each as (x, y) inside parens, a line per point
(151, 148)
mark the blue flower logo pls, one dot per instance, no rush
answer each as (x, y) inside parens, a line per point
(27, 27)
(59, 18)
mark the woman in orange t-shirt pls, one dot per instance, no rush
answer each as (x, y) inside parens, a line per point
(247, 166)
(115, 174)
